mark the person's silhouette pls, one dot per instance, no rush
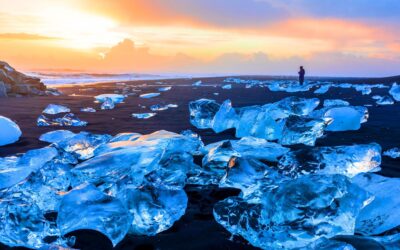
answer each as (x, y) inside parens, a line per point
(302, 72)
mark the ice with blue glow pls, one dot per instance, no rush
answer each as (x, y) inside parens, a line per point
(143, 115)
(296, 213)
(395, 91)
(382, 213)
(345, 160)
(385, 100)
(116, 98)
(53, 109)
(69, 120)
(335, 102)
(108, 104)
(392, 153)
(160, 107)
(197, 84)
(227, 86)
(225, 118)
(56, 136)
(164, 89)
(16, 169)
(303, 130)
(88, 110)
(153, 210)
(83, 144)
(289, 86)
(323, 89)
(149, 95)
(86, 207)
(202, 112)
(9, 132)
(344, 118)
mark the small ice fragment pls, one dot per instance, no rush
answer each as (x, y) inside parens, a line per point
(143, 115)
(88, 110)
(216, 93)
(335, 102)
(68, 119)
(385, 100)
(53, 109)
(56, 136)
(149, 95)
(198, 83)
(227, 86)
(9, 131)
(107, 104)
(159, 107)
(164, 89)
(392, 153)
(116, 98)
(395, 91)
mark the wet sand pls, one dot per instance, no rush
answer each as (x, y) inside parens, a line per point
(197, 228)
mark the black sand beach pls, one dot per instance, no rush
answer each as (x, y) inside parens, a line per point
(197, 229)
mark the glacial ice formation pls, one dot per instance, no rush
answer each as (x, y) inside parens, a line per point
(86, 207)
(9, 131)
(53, 109)
(202, 112)
(56, 136)
(343, 118)
(382, 213)
(385, 100)
(344, 160)
(395, 91)
(296, 213)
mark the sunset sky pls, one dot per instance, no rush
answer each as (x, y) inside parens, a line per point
(328, 37)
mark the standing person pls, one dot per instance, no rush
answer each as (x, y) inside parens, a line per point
(302, 72)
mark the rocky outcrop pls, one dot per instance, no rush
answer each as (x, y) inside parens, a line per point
(14, 83)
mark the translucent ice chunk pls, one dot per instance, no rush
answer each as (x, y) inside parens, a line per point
(68, 119)
(159, 107)
(392, 153)
(116, 98)
(164, 89)
(125, 137)
(149, 95)
(9, 132)
(83, 144)
(323, 89)
(335, 102)
(343, 118)
(202, 112)
(395, 91)
(303, 130)
(56, 136)
(88, 110)
(385, 100)
(198, 83)
(107, 104)
(153, 210)
(225, 118)
(382, 214)
(14, 170)
(289, 86)
(295, 214)
(254, 148)
(363, 88)
(227, 86)
(345, 160)
(53, 109)
(85, 207)
(143, 115)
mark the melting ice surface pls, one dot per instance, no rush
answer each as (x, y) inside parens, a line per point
(53, 109)
(149, 95)
(9, 131)
(143, 115)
